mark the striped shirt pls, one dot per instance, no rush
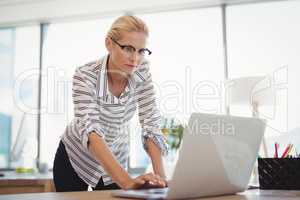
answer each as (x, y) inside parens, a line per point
(96, 109)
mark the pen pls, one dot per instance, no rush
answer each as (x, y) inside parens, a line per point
(276, 150)
(286, 151)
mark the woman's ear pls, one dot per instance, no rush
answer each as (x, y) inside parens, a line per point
(108, 44)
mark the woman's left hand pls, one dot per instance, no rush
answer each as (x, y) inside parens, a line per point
(163, 181)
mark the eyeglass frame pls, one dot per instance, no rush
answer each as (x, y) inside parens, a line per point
(133, 48)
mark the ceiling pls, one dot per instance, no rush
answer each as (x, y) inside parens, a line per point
(22, 12)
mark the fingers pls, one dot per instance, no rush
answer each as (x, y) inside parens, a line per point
(148, 180)
(140, 181)
(149, 177)
(153, 179)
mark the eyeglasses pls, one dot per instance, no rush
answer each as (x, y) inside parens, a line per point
(130, 50)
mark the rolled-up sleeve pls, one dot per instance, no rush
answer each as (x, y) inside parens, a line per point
(149, 115)
(86, 109)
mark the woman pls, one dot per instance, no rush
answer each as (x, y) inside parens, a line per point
(94, 148)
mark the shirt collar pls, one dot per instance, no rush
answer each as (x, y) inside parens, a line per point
(140, 75)
(102, 78)
(137, 77)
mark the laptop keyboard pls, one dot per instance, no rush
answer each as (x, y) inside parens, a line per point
(156, 191)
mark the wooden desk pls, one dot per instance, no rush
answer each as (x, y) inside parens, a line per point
(14, 183)
(96, 195)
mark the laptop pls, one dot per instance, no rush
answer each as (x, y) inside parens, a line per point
(217, 156)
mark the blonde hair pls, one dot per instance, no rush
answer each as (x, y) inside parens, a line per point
(127, 23)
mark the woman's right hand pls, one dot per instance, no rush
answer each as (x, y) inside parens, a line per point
(150, 178)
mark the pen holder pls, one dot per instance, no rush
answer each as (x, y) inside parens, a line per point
(279, 173)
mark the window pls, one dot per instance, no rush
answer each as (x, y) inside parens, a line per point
(6, 88)
(263, 39)
(186, 65)
(19, 87)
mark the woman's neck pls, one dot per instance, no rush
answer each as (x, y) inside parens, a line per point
(115, 76)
